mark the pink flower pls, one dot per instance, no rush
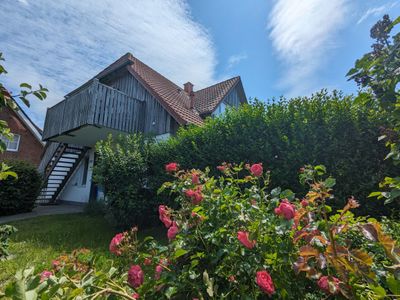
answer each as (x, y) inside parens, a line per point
(135, 296)
(135, 276)
(264, 281)
(171, 167)
(147, 261)
(243, 237)
(256, 169)
(115, 242)
(158, 272)
(195, 178)
(172, 231)
(329, 285)
(45, 275)
(195, 195)
(164, 215)
(304, 203)
(231, 278)
(286, 210)
(221, 168)
(56, 264)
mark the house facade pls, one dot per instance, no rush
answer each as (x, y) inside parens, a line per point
(126, 97)
(27, 142)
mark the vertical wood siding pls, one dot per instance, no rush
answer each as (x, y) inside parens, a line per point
(233, 97)
(156, 119)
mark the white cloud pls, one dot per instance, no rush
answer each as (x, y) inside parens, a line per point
(302, 32)
(377, 11)
(61, 44)
(235, 59)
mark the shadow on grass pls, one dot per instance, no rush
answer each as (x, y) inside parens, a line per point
(42, 239)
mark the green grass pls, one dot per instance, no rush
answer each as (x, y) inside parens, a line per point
(42, 239)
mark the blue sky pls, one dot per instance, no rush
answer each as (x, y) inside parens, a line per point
(280, 47)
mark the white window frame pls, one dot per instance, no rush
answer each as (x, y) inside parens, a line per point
(10, 142)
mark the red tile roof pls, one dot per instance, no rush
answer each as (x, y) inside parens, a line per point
(207, 99)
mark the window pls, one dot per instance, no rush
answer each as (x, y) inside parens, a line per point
(11, 144)
(220, 109)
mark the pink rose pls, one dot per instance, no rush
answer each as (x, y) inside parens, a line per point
(329, 285)
(164, 215)
(171, 167)
(195, 178)
(221, 168)
(304, 203)
(172, 231)
(115, 242)
(195, 195)
(264, 281)
(135, 296)
(45, 275)
(158, 272)
(135, 276)
(243, 237)
(286, 210)
(256, 169)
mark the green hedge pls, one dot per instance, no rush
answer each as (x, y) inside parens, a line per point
(328, 129)
(18, 195)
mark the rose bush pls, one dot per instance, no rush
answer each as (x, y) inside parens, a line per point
(241, 241)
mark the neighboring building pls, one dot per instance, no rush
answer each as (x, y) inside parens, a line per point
(126, 97)
(27, 142)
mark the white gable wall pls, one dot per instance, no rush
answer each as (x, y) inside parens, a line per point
(74, 191)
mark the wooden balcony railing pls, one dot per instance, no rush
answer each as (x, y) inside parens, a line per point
(98, 105)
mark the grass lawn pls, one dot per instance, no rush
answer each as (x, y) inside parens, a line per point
(40, 240)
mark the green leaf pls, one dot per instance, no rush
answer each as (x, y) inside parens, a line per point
(288, 194)
(374, 194)
(170, 292)
(25, 85)
(180, 252)
(393, 284)
(321, 169)
(330, 182)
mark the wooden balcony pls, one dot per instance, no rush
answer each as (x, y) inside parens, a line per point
(91, 114)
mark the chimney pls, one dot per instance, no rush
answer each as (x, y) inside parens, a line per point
(188, 87)
(191, 97)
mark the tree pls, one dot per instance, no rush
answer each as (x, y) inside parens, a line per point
(7, 100)
(377, 74)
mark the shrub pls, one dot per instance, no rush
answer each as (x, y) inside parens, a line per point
(325, 128)
(234, 238)
(121, 168)
(18, 195)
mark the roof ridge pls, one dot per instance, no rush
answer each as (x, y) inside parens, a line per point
(218, 83)
(158, 73)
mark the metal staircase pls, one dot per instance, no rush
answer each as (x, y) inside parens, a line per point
(58, 171)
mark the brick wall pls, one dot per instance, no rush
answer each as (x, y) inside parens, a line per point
(30, 149)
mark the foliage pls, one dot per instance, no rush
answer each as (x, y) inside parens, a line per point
(233, 237)
(121, 169)
(379, 72)
(6, 100)
(325, 128)
(19, 194)
(5, 232)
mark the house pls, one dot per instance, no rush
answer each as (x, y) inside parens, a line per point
(27, 142)
(126, 97)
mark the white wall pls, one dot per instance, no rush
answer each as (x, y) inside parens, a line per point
(74, 191)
